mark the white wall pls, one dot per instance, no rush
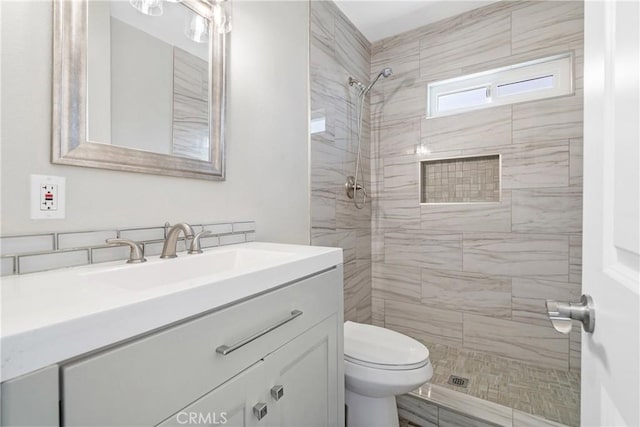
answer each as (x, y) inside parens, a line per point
(267, 136)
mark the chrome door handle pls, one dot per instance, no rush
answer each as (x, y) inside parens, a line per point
(225, 349)
(562, 314)
(260, 410)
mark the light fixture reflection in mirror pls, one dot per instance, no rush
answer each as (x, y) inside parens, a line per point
(148, 7)
(222, 16)
(197, 28)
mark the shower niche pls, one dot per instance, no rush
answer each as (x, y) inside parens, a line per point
(472, 179)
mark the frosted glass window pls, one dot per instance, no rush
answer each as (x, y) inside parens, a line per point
(528, 81)
(464, 99)
(524, 86)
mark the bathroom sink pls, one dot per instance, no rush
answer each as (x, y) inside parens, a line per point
(58, 314)
(209, 266)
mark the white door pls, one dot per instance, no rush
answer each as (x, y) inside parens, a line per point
(610, 356)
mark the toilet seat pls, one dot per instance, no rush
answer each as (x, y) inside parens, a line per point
(386, 367)
(381, 348)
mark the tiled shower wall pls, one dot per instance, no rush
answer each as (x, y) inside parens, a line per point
(338, 51)
(475, 276)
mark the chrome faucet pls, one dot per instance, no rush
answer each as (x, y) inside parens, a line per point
(171, 242)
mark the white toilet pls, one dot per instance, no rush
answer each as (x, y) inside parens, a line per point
(380, 364)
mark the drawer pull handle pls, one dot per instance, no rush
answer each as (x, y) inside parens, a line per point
(224, 349)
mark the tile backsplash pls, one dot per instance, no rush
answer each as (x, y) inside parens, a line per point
(30, 253)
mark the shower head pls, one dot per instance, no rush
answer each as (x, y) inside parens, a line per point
(386, 72)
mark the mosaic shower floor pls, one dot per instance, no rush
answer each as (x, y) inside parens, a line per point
(548, 393)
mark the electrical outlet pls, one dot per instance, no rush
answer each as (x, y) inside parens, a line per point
(47, 197)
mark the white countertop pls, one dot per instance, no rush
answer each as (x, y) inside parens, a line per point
(52, 316)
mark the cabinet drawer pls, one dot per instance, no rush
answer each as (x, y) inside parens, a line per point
(144, 382)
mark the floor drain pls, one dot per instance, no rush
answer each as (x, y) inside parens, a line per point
(458, 381)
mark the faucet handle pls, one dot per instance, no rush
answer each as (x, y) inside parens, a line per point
(195, 248)
(136, 256)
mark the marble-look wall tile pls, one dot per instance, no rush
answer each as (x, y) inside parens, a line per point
(537, 25)
(338, 50)
(488, 127)
(538, 164)
(353, 50)
(377, 246)
(350, 291)
(471, 292)
(400, 204)
(547, 210)
(377, 309)
(532, 236)
(481, 39)
(521, 341)
(401, 174)
(345, 239)
(416, 249)
(323, 209)
(537, 255)
(323, 27)
(575, 161)
(548, 119)
(363, 242)
(404, 100)
(575, 259)
(468, 217)
(424, 323)
(394, 282)
(400, 137)
(363, 290)
(399, 210)
(403, 57)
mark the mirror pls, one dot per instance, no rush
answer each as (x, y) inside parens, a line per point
(139, 86)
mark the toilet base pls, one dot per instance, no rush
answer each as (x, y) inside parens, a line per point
(363, 411)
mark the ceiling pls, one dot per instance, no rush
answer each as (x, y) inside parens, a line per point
(384, 18)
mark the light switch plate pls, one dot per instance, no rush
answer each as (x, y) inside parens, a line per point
(47, 197)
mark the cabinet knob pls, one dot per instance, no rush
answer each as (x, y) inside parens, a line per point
(277, 391)
(260, 410)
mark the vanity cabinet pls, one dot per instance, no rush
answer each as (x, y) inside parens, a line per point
(294, 386)
(177, 373)
(31, 400)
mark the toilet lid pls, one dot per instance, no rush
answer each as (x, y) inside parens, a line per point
(373, 346)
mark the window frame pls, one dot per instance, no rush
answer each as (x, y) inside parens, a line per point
(559, 66)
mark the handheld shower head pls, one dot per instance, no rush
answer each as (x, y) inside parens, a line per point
(386, 72)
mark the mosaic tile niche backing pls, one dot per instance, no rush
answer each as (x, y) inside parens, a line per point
(460, 180)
